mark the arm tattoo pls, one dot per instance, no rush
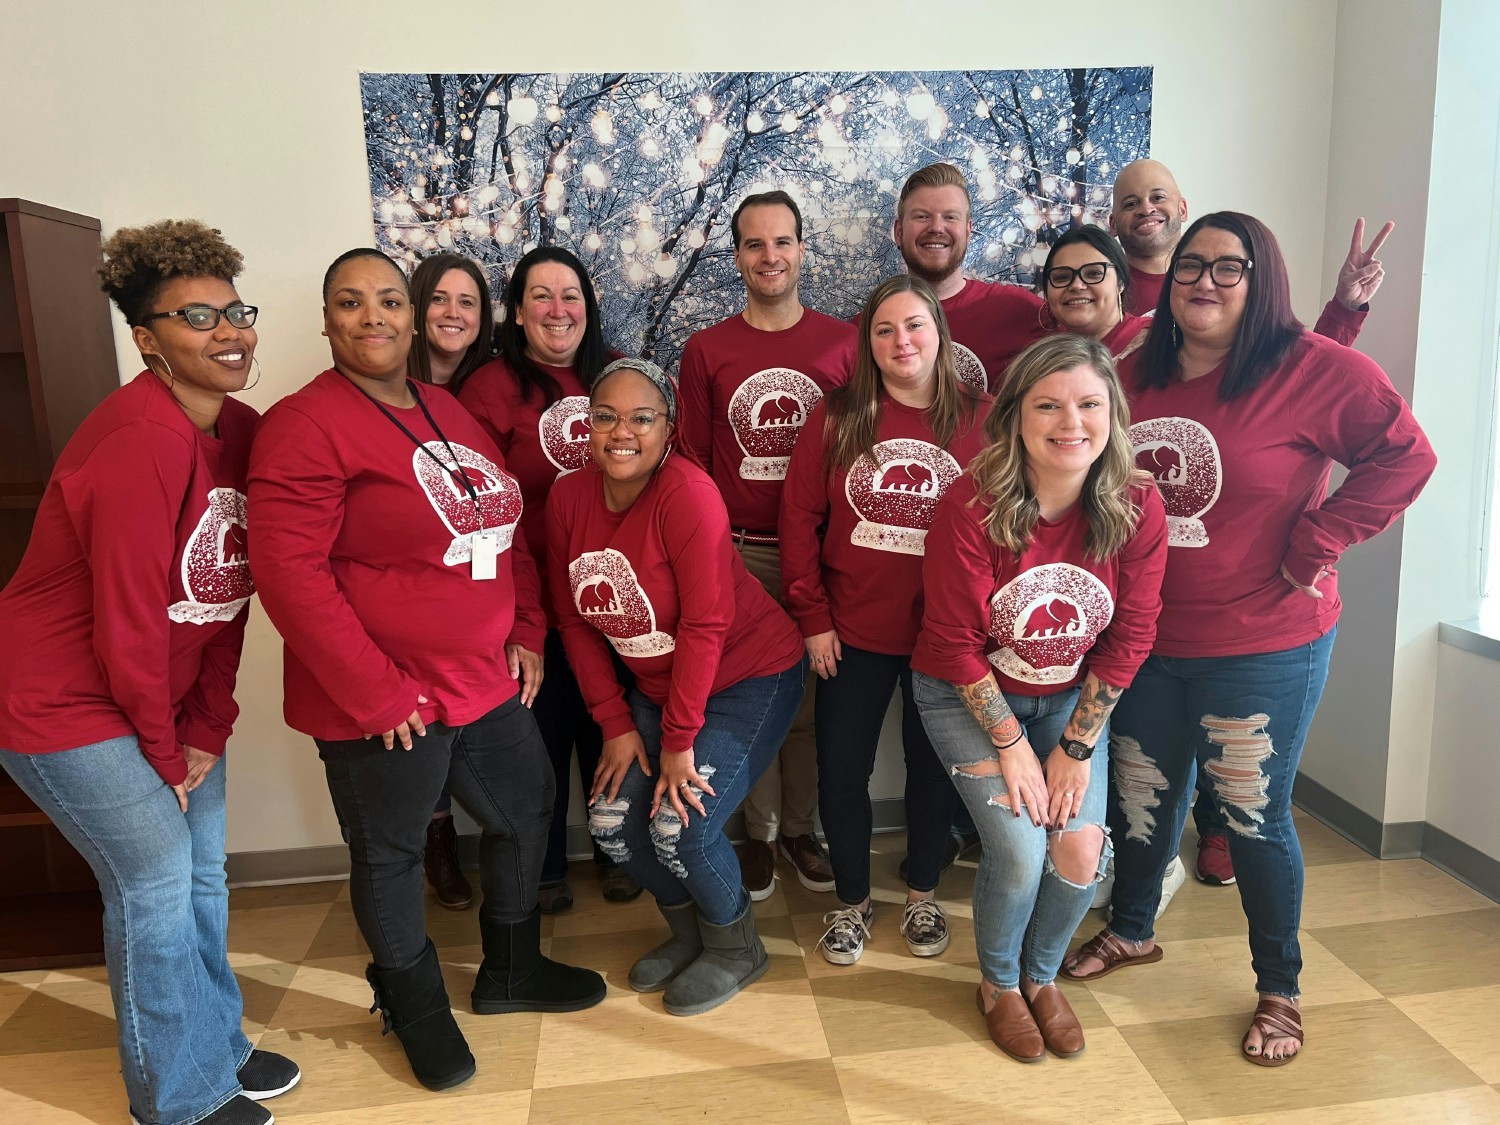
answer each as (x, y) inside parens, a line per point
(986, 702)
(1095, 702)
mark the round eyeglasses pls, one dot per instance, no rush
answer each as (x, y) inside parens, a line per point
(638, 422)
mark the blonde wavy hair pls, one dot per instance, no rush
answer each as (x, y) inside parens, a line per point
(1001, 480)
(853, 421)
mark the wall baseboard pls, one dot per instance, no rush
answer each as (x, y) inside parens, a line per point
(1406, 840)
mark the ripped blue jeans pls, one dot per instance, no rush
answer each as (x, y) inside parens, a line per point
(1025, 912)
(743, 728)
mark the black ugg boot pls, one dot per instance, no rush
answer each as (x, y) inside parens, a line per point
(732, 958)
(414, 1004)
(515, 977)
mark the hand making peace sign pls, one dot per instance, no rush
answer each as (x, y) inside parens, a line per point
(1361, 273)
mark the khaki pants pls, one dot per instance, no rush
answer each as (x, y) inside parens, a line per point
(785, 799)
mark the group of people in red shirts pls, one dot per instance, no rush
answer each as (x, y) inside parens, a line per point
(1087, 534)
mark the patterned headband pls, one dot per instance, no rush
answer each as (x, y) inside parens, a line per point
(658, 378)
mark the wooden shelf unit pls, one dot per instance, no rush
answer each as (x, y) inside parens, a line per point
(57, 362)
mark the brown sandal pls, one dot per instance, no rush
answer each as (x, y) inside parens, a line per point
(1113, 951)
(1274, 1016)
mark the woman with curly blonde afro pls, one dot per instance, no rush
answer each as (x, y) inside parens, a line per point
(124, 626)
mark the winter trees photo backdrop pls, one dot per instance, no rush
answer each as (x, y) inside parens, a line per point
(638, 174)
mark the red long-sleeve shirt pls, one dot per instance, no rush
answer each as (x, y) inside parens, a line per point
(991, 324)
(661, 584)
(745, 395)
(1336, 322)
(540, 443)
(363, 559)
(1043, 619)
(1245, 484)
(864, 577)
(127, 613)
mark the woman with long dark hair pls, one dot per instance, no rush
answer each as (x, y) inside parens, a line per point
(388, 558)
(533, 401)
(1043, 582)
(873, 460)
(1240, 414)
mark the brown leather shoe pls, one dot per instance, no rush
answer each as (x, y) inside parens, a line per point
(806, 854)
(441, 863)
(758, 869)
(1055, 1019)
(1011, 1027)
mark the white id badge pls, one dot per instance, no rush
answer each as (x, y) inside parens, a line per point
(486, 549)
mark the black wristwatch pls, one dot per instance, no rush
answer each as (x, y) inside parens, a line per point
(1078, 751)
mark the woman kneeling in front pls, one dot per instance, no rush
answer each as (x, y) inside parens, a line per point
(1043, 575)
(641, 561)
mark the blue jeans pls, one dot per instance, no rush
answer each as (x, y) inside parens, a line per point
(1025, 912)
(849, 712)
(166, 919)
(1242, 721)
(743, 728)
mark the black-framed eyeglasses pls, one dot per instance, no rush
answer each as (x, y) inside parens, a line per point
(638, 422)
(1092, 273)
(205, 318)
(1225, 272)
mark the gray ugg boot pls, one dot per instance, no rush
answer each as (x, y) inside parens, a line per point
(732, 958)
(656, 969)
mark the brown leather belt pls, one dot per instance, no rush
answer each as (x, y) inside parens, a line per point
(754, 538)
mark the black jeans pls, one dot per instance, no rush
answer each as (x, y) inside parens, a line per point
(563, 718)
(848, 714)
(496, 768)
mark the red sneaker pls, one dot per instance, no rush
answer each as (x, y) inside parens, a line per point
(1214, 865)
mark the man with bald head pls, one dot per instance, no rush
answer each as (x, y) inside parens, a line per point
(1147, 217)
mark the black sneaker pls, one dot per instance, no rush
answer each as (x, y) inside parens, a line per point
(266, 1074)
(238, 1110)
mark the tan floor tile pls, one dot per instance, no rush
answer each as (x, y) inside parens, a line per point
(1346, 894)
(15, 988)
(338, 934)
(593, 914)
(867, 1012)
(802, 1090)
(974, 1082)
(288, 894)
(1213, 976)
(1432, 954)
(1198, 911)
(60, 1017)
(451, 1107)
(62, 1086)
(630, 1037)
(279, 933)
(1466, 1021)
(98, 974)
(262, 988)
(1369, 1051)
(1475, 1106)
(1322, 846)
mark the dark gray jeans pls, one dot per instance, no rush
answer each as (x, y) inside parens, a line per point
(495, 767)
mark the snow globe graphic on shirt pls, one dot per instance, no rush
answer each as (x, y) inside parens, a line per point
(1183, 457)
(766, 415)
(970, 369)
(563, 429)
(609, 597)
(896, 501)
(448, 485)
(215, 567)
(1045, 619)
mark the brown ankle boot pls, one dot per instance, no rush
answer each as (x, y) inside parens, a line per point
(441, 862)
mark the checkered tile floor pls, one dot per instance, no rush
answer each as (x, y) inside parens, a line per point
(1402, 1010)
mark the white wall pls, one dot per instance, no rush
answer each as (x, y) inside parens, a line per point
(134, 113)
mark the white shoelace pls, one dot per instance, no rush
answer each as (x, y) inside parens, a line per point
(847, 928)
(923, 916)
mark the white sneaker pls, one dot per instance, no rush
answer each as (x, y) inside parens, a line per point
(843, 943)
(1104, 887)
(1174, 878)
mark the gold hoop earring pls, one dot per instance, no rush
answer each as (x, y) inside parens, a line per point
(147, 357)
(256, 380)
